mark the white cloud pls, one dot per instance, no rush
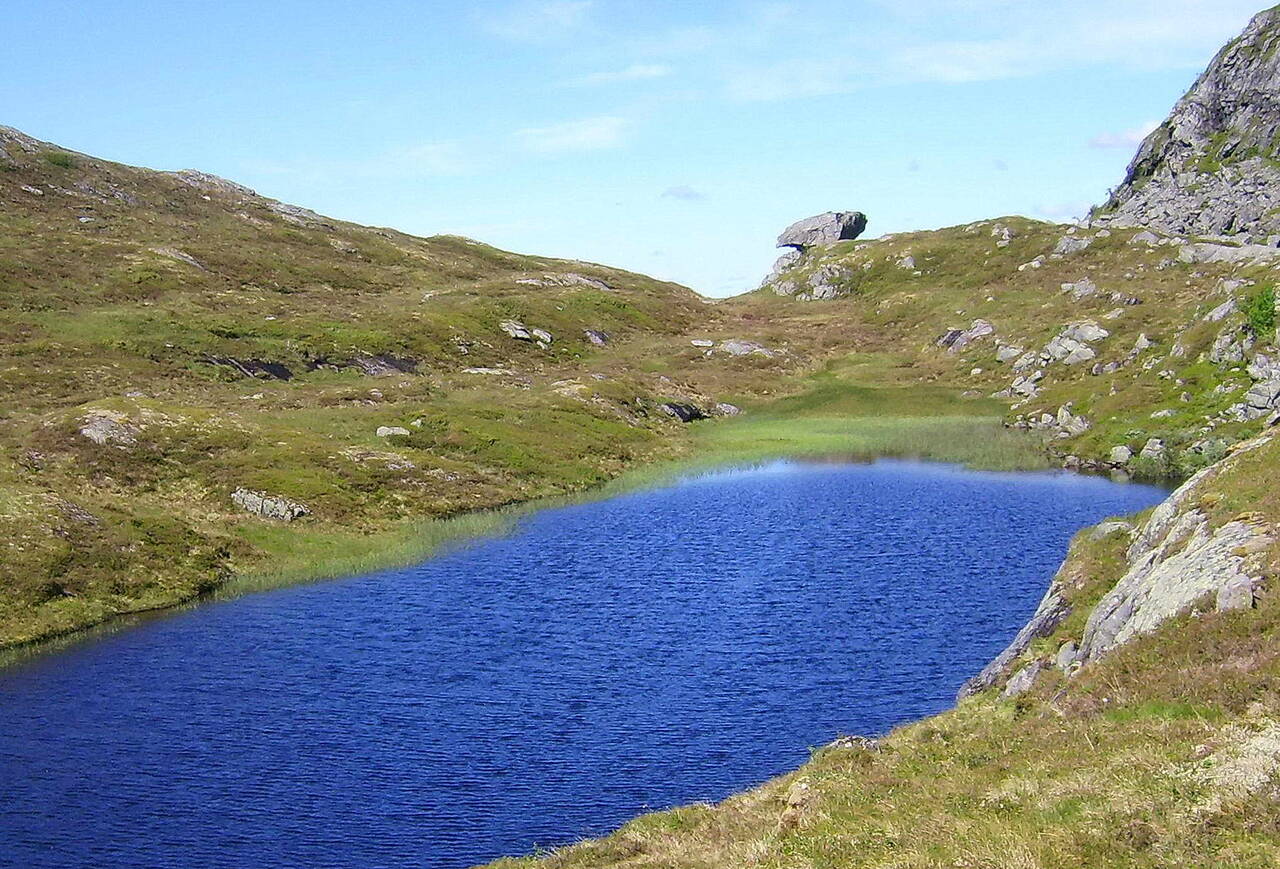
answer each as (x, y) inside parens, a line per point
(812, 54)
(539, 20)
(1128, 139)
(635, 72)
(684, 193)
(588, 134)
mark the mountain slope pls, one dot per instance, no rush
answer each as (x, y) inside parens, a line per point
(197, 381)
(1135, 721)
(1212, 167)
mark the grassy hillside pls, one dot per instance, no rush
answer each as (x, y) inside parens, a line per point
(170, 339)
(208, 391)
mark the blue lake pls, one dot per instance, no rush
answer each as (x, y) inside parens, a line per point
(604, 659)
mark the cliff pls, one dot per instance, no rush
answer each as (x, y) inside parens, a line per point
(1211, 169)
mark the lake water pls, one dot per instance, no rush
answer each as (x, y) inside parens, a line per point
(654, 649)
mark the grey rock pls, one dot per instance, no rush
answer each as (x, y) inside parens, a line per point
(1231, 346)
(1008, 353)
(1146, 237)
(702, 342)
(1027, 386)
(1103, 530)
(1071, 244)
(1066, 656)
(515, 329)
(1220, 313)
(1070, 423)
(956, 340)
(386, 431)
(827, 282)
(1263, 396)
(1167, 580)
(1086, 332)
(787, 261)
(1248, 254)
(824, 229)
(1069, 351)
(1154, 450)
(596, 337)
(1264, 367)
(1052, 612)
(726, 409)
(1121, 455)
(1208, 170)
(109, 427)
(746, 348)
(1024, 680)
(1236, 594)
(1176, 558)
(268, 506)
(1081, 289)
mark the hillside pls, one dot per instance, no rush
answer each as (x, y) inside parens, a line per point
(204, 385)
(1135, 721)
(186, 368)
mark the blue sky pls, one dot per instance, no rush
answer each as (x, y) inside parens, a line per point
(673, 138)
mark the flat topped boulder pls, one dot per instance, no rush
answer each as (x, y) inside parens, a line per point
(824, 229)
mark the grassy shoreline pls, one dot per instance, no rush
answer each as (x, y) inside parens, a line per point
(791, 428)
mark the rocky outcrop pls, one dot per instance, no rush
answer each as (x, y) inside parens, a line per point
(520, 332)
(823, 229)
(109, 427)
(1179, 558)
(266, 506)
(1209, 169)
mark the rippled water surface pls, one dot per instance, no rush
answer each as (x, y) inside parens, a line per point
(649, 650)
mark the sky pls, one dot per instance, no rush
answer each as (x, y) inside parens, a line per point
(671, 138)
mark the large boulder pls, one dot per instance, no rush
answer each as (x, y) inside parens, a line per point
(822, 229)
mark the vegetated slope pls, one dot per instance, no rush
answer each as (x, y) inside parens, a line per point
(1128, 349)
(1136, 719)
(168, 340)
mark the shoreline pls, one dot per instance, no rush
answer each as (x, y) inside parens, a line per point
(708, 446)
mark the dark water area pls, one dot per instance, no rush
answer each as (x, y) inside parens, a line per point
(604, 659)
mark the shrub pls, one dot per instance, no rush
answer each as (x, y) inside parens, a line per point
(61, 159)
(1260, 313)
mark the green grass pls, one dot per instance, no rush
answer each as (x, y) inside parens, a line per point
(978, 442)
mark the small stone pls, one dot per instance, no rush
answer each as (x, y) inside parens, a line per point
(1237, 594)
(386, 431)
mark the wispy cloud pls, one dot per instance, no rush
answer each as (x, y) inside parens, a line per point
(909, 42)
(684, 193)
(635, 72)
(538, 20)
(1127, 139)
(588, 134)
(434, 158)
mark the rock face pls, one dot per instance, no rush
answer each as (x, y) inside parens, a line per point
(1178, 559)
(108, 427)
(268, 506)
(1208, 169)
(824, 229)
